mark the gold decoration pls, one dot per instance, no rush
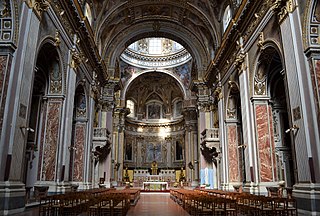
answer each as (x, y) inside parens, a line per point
(218, 93)
(39, 6)
(76, 59)
(5, 12)
(283, 8)
(239, 61)
(261, 41)
(57, 40)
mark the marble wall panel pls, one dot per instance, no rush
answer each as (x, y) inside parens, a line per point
(240, 153)
(42, 139)
(264, 143)
(233, 153)
(5, 65)
(79, 152)
(51, 144)
(315, 75)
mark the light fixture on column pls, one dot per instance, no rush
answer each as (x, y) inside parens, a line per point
(27, 129)
(293, 129)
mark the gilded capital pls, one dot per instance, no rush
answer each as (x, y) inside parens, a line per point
(218, 93)
(38, 6)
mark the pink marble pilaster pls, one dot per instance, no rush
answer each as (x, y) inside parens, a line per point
(79, 152)
(233, 153)
(264, 143)
(51, 141)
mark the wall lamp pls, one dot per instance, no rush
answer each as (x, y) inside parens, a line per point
(27, 129)
(293, 128)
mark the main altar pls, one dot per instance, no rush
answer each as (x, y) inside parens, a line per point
(147, 181)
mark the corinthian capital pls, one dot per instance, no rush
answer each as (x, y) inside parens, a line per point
(38, 6)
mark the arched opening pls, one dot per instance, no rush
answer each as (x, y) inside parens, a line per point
(273, 120)
(235, 146)
(227, 17)
(282, 139)
(154, 138)
(47, 70)
(35, 126)
(78, 137)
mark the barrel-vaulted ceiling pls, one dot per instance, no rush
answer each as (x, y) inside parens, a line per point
(195, 24)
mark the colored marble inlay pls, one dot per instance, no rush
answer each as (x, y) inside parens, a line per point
(264, 143)
(79, 152)
(315, 75)
(5, 65)
(42, 139)
(233, 154)
(52, 135)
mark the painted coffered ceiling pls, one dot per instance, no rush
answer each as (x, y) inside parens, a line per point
(195, 24)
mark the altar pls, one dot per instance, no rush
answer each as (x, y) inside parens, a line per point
(142, 176)
(154, 186)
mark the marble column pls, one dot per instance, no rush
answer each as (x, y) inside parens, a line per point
(188, 151)
(192, 143)
(67, 117)
(248, 132)
(17, 69)
(306, 140)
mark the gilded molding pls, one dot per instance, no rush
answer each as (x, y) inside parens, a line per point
(76, 58)
(57, 39)
(240, 61)
(261, 41)
(283, 8)
(218, 93)
(38, 6)
(5, 11)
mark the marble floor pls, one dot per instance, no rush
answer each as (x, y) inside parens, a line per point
(155, 204)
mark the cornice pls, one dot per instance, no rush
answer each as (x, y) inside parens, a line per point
(71, 12)
(168, 123)
(247, 19)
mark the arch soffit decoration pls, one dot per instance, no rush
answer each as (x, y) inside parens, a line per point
(268, 44)
(49, 40)
(186, 39)
(131, 81)
(124, 27)
(310, 8)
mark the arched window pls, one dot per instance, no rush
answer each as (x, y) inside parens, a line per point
(177, 108)
(130, 106)
(88, 13)
(226, 17)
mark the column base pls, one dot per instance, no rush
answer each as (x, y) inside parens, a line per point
(106, 184)
(195, 183)
(12, 197)
(308, 198)
(114, 184)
